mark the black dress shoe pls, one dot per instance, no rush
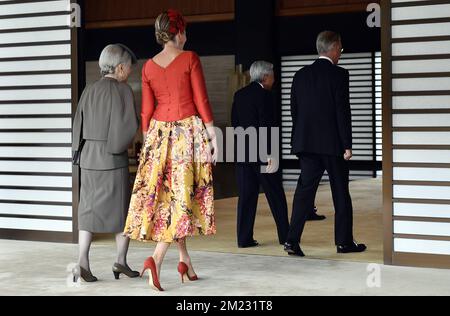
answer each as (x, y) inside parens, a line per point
(315, 217)
(252, 244)
(293, 250)
(353, 248)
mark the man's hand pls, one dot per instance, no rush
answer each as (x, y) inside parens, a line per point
(348, 154)
(272, 166)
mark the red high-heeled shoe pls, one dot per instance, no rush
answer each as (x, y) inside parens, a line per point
(183, 270)
(153, 279)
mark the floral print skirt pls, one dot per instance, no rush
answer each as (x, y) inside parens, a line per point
(173, 196)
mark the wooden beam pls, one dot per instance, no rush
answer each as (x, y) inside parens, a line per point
(149, 22)
(317, 10)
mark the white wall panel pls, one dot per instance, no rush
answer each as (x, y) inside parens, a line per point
(421, 102)
(419, 138)
(421, 192)
(422, 174)
(34, 22)
(34, 51)
(36, 181)
(36, 224)
(420, 120)
(420, 66)
(36, 166)
(421, 156)
(421, 84)
(35, 7)
(35, 65)
(36, 152)
(35, 138)
(35, 37)
(421, 30)
(421, 228)
(35, 209)
(35, 80)
(35, 109)
(432, 247)
(36, 94)
(31, 195)
(422, 210)
(36, 123)
(421, 12)
(418, 48)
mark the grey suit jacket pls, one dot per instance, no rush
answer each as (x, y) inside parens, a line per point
(106, 118)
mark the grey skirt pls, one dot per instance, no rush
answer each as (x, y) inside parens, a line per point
(104, 200)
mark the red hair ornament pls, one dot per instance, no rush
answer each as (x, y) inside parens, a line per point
(177, 22)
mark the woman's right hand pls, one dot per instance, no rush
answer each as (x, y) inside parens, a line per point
(213, 142)
(214, 150)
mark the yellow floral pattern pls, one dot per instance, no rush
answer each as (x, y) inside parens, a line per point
(173, 196)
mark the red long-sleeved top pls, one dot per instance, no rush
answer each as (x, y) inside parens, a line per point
(176, 92)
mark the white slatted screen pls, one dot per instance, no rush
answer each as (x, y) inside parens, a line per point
(35, 117)
(419, 95)
(365, 99)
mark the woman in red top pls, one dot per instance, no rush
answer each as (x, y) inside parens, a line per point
(173, 194)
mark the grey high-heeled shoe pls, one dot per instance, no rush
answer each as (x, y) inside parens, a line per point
(120, 269)
(79, 272)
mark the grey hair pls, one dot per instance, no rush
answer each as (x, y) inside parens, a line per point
(326, 40)
(259, 69)
(113, 55)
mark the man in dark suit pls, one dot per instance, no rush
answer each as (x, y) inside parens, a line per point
(322, 139)
(253, 107)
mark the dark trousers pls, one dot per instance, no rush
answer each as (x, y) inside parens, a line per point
(249, 179)
(313, 167)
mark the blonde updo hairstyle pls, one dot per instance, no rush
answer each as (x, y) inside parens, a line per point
(162, 26)
(167, 25)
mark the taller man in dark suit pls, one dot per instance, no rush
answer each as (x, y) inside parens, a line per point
(322, 139)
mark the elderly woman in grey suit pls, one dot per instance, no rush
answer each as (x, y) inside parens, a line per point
(104, 126)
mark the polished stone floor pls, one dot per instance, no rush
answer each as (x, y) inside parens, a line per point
(318, 238)
(28, 268)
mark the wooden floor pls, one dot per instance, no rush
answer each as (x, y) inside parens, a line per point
(318, 239)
